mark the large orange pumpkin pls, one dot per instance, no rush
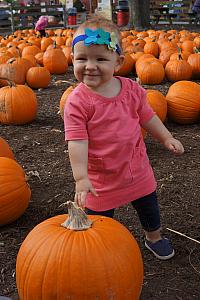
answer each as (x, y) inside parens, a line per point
(14, 191)
(18, 104)
(183, 102)
(5, 150)
(95, 259)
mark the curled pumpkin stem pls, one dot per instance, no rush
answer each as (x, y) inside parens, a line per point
(10, 82)
(77, 218)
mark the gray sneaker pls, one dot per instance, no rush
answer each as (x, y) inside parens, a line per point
(162, 249)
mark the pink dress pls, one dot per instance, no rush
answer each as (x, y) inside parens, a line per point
(118, 166)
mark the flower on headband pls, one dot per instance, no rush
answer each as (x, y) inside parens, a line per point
(113, 42)
(91, 36)
(99, 37)
(104, 37)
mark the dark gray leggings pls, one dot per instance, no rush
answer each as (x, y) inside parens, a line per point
(147, 210)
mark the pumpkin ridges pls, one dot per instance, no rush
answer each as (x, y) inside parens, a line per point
(47, 262)
(48, 240)
(13, 103)
(183, 102)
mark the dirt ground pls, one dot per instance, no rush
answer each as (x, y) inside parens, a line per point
(40, 149)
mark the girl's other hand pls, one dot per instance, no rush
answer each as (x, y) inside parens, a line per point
(83, 186)
(174, 145)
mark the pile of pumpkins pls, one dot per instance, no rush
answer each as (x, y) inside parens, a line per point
(150, 55)
(156, 54)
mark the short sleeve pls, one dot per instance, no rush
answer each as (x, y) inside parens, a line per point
(145, 111)
(76, 115)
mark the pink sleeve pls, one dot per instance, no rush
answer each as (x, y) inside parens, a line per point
(145, 111)
(76, 115)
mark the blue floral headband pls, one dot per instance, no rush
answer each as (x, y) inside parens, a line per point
(98, 37)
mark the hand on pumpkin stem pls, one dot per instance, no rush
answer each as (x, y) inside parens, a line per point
(174, 145)
(83, 186)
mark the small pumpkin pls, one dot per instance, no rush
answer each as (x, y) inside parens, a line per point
(151, 71)
(82, 258)
(15, 193)
(18, 104)
(55, 61)
(38, 77)
(179, 69)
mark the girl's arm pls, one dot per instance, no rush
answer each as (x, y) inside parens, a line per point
(158, 130)
(78, 155)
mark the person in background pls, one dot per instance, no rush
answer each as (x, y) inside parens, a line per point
(103, 119)
(41, 24)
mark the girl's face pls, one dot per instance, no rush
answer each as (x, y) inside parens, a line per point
(95, 65)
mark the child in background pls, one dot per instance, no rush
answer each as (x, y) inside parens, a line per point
(103, 119)
(41, 24)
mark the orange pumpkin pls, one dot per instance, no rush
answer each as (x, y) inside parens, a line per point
(158, 103)
(183, 102)
(194, 62)
(127, 66)
(60, 262)
(64, 99)
(12, 72)
(45, 42)
(150, 71)
(31, 50)
(18, 104)
(38, 77)
(5, 149)
(14, 192)
(55, 61)
(179, 69)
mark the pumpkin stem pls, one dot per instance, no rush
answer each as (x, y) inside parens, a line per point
(196, 50)
(77, 218)
(10, 82)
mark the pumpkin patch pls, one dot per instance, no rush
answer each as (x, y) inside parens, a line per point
(36, 179)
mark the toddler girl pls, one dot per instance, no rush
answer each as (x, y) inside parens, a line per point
(103, 119)
(41, 24)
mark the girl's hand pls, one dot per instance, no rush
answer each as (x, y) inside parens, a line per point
(83, 186)
(174, 145)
